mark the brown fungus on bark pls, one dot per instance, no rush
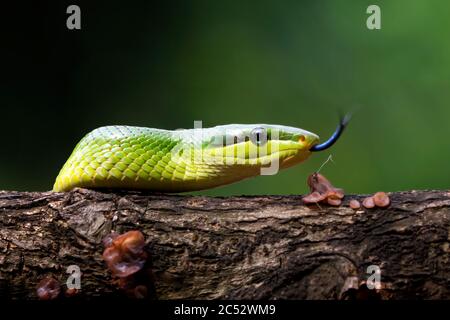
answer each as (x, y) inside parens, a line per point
(48, 289)
(368, 203)
(354, 204)
(140, 292)
(129, 263)
(334, 202)
(72, 292)
(125, 254)
(322, 191)
(314, 197)
(108, 240)
(381, 199)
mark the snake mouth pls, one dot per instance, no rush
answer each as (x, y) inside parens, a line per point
(280, 151)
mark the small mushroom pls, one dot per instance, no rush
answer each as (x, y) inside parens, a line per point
(368, 203)
(314, 197)
(108, 240)
(354, 204)
(48, 289)
(140, 292)
(322, 191)
(71, 292)
(334, 202)
(381, 199)
(126, 254)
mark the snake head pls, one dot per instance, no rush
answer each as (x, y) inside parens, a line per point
(257, 145)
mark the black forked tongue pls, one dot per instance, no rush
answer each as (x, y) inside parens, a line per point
(335, 136)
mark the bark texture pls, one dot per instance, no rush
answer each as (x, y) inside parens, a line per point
(248, 247)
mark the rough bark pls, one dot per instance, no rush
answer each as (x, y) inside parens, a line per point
(248, 247)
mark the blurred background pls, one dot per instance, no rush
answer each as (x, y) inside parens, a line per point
(299, 63)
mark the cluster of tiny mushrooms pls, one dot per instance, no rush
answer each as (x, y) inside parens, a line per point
(49, 288)
(125, 257)
(322, 191)
(128, 261)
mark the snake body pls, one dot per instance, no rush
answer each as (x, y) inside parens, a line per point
(128, 157)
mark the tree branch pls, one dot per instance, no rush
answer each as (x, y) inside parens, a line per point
(249, 247)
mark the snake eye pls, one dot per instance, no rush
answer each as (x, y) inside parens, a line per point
(258, 136)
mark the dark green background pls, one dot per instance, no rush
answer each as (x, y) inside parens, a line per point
(165, 64)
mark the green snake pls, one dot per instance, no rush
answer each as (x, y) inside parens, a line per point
(127, 157)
